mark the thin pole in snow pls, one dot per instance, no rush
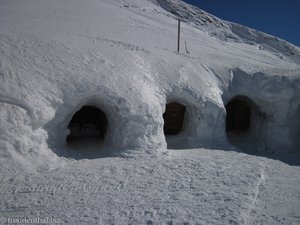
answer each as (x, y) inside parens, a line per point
(178, 41)
(186, 49)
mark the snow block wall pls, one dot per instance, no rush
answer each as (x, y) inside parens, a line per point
(130, 71)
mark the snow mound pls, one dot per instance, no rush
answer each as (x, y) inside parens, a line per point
(119, 56)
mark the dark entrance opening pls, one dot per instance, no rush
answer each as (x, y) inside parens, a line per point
(173, 118)
(87, 123)
(238, 116)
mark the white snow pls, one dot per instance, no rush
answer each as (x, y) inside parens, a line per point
(187, 187)
(57, 56)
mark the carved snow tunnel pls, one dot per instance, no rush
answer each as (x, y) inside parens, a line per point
(245, 124)
(173, 118)
(87, 124)
(238, 116)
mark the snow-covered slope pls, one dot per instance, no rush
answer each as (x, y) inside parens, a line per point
(57, 56)
(187, 187)
(228, 31)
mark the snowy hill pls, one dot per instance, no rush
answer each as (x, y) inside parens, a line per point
(63, 61)
(58, 56)
(228, 31)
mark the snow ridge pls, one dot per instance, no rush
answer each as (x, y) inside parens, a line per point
(228, 31)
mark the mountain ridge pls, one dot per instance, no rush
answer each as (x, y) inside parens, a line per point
(225, 30)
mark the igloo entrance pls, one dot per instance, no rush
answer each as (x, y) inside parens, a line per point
(245, 124)
(238, 116)
(173, 118)
(88, 123)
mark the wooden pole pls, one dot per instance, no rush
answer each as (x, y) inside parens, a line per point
(178, 41)
(186, 49)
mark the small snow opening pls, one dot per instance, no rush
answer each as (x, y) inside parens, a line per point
(173, 118)
(88, 123)
(245, 124)
(238, 116)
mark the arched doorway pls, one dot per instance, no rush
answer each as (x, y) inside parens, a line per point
(245, 124)
(173, 118)
(88, 123)
(238, 117)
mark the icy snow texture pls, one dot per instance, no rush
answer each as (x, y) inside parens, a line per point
(57, 56)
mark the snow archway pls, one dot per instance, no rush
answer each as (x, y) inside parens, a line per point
(245, 124)
(176, 123)
(88, 123)
(238, 116)
(173, 118)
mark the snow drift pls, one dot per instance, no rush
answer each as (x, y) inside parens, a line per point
(119, 56)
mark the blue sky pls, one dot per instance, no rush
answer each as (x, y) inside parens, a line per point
(277, 17)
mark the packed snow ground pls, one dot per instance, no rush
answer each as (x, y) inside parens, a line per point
(181, 187)
(59, 55)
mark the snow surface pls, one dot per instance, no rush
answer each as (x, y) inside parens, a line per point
(184, 187)
(59, 55)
